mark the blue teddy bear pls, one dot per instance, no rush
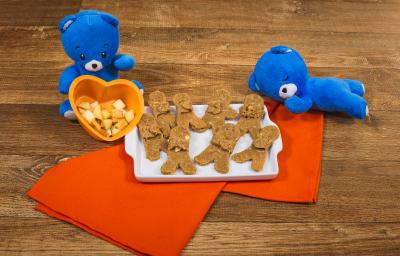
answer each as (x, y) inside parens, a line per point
(282, 75)
(91, 40)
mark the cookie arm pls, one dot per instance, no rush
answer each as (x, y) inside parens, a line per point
(245, 155)
(68, 75)
(298, 105)
(197, 124)
(205, 157)
(124, 62)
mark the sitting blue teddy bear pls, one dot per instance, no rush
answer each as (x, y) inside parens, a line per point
(282, 75)
(91, 40)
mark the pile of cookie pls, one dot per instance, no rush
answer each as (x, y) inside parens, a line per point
(165, 131)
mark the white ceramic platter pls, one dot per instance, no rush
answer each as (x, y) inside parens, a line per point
(149, 171)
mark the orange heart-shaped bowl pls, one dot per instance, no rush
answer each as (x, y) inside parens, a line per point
(90, 88)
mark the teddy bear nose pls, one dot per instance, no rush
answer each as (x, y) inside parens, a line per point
(94, 65)
(284, 90)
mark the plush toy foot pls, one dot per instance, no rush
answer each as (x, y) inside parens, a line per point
(66, 110)
(359, 109)
(356, 87)
(139, 85)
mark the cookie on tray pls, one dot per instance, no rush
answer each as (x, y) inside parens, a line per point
(251, 113)
(185, 117)
(219, 110)
(152, 136)
(257, 152)
(222, 144)
(178, 153)
(162, 112)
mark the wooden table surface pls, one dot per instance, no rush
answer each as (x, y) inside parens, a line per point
(197, 47)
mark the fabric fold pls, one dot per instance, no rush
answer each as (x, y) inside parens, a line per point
(99, 193)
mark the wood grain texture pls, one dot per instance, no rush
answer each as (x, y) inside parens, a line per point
(35, 13)
(214, 238)
(332, 16)
(200, 46)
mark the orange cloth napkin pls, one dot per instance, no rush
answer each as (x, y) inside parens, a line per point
(299, 162)
(98, 191)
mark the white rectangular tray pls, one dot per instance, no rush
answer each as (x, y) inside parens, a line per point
(149, 171)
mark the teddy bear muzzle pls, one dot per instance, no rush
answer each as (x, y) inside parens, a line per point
(287, 90)
(94, 66)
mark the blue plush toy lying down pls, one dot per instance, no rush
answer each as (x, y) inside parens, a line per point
(91, 40)
(282, 75)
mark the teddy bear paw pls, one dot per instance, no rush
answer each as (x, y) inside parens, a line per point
(70, 115)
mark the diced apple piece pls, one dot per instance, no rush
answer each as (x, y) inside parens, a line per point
(129, 116)
(81, 110)
(121, 124)
(114, 120)
(117, 113)
(97, 112)
(97, 126)
(88, 115)
(107, 123)
(115, 130)
(94, 104)
(119, 104)
(105, 114)
(85, 105)
(109, 133)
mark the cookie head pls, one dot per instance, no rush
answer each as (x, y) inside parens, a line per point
(179, 139)
(253, 107)
(148, 127)
(226, 136)
(183, 102)
(158, 102)
(214, 107)
(264, 137)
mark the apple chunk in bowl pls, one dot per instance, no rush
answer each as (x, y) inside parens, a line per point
(106, 110)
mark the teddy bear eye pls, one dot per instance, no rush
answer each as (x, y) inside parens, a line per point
(82, 56)
(103, 55)
(285, 78)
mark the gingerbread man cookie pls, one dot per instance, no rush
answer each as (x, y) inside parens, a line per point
(178, 155)
(162, 112)
(152, 136)
(257, 152)
(251, 113)
(184, 113)
(218, 109)
(220, 148)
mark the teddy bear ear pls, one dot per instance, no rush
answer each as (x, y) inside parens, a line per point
(281, 49)
(66, 22)
(110, 19)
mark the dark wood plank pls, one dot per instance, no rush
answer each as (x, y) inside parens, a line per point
(36, 13)
(334, 16)
(27, 84)
(213, 46)
(212, 238)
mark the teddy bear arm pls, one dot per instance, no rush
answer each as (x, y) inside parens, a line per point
(124, 62)
(298, 105)
(68, 75)
(253, 84)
